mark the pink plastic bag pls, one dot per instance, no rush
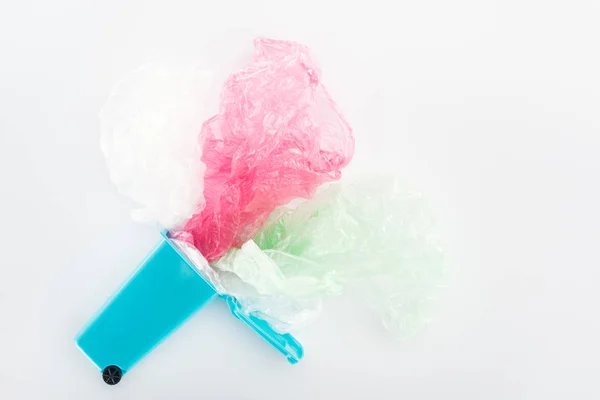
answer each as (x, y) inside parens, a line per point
(278, 136)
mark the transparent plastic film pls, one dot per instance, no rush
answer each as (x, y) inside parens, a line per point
(375, 236)
(150, 126)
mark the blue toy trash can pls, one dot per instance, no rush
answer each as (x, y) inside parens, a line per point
(165, 290)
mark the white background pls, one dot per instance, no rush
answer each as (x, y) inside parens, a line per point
(491, 108)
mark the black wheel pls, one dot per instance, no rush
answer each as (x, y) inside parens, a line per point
(112, 375)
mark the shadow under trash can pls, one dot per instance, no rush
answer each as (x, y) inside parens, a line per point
(165, 290)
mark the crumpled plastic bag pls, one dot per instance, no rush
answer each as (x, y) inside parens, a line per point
(374, 236)
(278, 135)
(150, 126)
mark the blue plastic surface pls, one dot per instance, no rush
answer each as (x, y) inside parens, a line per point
(285, 343)
(165, 290)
